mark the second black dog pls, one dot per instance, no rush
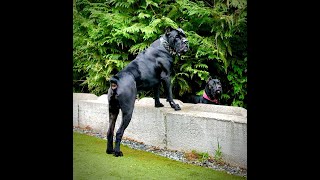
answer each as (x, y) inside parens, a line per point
(146, 71)
(211, 94)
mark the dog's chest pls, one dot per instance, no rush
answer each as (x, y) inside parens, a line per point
(151, 74)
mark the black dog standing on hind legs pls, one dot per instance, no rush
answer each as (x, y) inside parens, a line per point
(146, 71)
(211, 94)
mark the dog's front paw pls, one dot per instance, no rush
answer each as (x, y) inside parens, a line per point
(119, 153)
(158, 105)
(176, 107)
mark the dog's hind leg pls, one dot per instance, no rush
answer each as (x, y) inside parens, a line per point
(126, 102)
(126, 118)
(157, 102)
(113, 114)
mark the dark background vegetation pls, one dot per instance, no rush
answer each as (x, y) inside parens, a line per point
(107, 35)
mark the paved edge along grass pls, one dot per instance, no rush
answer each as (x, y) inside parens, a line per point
(91, 162)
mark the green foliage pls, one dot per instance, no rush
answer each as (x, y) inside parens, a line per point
(204, 157)
(218, 154)
(200, 156)
(109, 34)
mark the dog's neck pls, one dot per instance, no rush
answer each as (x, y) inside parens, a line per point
(165, 44)
(209, 99)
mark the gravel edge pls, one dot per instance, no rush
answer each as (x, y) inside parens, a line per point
(171, 154)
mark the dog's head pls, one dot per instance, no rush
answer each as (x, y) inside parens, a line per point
(176, 40)
(214, 89)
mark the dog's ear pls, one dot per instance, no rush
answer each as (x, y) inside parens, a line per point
(181, 31)
(168, 30)
(209, 79)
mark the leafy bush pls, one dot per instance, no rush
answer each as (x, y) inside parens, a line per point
(109, 34)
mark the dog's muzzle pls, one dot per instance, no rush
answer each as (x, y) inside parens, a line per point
(218, 90)
(185, 45)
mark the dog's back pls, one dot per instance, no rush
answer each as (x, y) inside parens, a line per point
(190, 98)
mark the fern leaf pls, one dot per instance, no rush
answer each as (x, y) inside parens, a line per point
(137, 48)
(143, 15)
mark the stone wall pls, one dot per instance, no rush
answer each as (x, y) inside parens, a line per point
(197, 127)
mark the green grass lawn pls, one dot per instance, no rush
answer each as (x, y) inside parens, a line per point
(91, 162)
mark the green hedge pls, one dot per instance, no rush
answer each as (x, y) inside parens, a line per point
(109, 34)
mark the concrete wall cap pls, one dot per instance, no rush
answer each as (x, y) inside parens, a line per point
(84, 96)
(211, 116)
(103, 98)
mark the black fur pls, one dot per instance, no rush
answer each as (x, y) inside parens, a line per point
(145, 72)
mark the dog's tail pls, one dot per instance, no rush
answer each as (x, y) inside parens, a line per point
(114, 82)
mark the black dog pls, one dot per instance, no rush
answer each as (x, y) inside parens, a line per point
(211, 94)
(146, 71)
